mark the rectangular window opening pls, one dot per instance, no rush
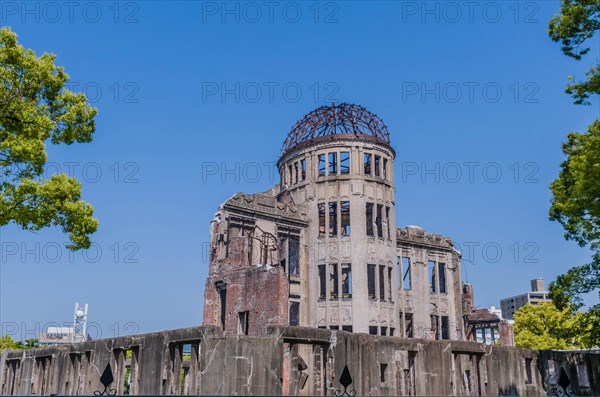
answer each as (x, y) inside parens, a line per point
(243, 319)
(442, 277)
(406, 278)
(322, 283)
(321, 219)
(431, 276)
(294, 314)
(377, 165)
(344, 163)
(333, 279)
(528, 372)
(372, 330)
(381, 282)
(389, 284)
(333, 215)
(333, 166)
(369, 216)
(387, 223)
(347, 328)
(371, 280)
(382, 370)
(408, 323)
(345, 214)
(379, 221)
(385, 168)
(383, 331)
(294, 247)
(367, 164)
(445, 327)
(322, 165)
(346, 280)
(435, 326)
(303, 169)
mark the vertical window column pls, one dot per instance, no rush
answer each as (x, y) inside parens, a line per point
(322, 283)
(346, 280)
(369, 219)
(381, 282)
(322, 229)
(333, 280)
(333, 215)
(345, 217)
(371, 280)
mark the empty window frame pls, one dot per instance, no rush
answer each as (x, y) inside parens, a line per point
(347, 328)
(406, 283)
(431, 276)
(387, 223)
(296, 172)
(344, 163)
(381, 282)
(294, 314)
(345, 217)
(379, 220)
(377, 165)
(322, 283)
(384, 168)
(383, 331)
(369, 217)
(392, 329)
(408, 325)
(435, 326)
(243, 322)
(442, 277)
(333, 165)
(382, 370)
(371, 280)
(322, 165)
(445, 327)
(528, 372)
(389, 283)
(333, 214)
(321, 219)
(367, 163)
(222, 291)
(372, 330)
(303, 169)
(294, 248)
(346, 280)
(291, 174)
(333, 280)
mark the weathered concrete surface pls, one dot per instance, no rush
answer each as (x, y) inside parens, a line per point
(293, 361)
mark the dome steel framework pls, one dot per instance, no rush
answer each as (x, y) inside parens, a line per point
(344, 119)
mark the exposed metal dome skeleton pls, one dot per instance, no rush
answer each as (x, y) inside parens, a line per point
(344, 119)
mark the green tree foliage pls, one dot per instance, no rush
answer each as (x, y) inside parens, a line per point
(36, 108)
(576, 205)
(6, 342)
(576, 191)
(578, 21)
(28, 344)
(545, 327)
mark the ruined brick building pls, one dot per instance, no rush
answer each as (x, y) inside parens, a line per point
(322, 249)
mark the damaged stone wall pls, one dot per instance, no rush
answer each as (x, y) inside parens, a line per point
(257, 257)
(293, 361)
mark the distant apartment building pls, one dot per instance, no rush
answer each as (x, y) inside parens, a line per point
(537, 295)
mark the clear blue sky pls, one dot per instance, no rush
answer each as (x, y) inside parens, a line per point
(195, 101)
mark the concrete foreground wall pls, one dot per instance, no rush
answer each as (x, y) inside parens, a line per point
(292, 361)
